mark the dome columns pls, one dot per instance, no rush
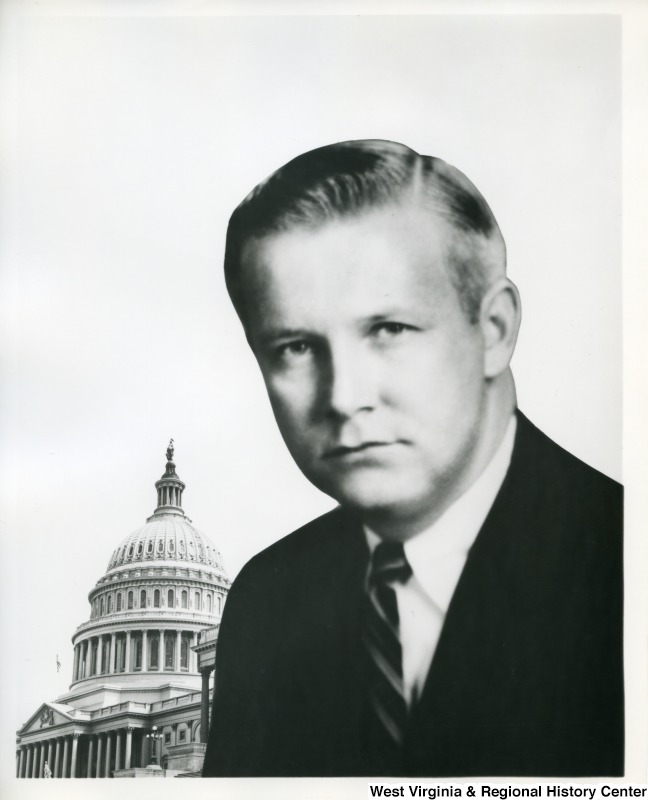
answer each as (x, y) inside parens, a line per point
(111, 657)
(86, 659)
(170, 494)
(138, 650)
(75, 667)
(100, 654)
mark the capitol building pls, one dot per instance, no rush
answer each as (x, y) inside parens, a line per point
(138, 704)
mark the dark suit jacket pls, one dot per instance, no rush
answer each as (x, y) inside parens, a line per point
(527, 678)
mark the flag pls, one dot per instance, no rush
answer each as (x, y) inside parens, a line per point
(58, 663)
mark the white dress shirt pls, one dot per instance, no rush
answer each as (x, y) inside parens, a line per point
(437, 557)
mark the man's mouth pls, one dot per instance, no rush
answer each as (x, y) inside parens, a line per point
(342, 451)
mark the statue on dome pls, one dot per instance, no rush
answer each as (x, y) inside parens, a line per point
(169, 452)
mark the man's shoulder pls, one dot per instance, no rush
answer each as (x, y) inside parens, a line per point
(540, 456)
(548, 485)
(320, 546)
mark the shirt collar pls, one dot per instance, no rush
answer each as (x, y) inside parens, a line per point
(437, 555)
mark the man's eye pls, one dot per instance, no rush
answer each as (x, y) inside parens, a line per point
(293, 349)
(386, 330)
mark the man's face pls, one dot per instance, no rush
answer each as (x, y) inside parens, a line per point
(375, 375)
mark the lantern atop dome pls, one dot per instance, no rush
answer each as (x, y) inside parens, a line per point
(169, 488)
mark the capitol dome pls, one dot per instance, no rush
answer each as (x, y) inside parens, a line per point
(168, 537)
(168, 534)
(164, 584)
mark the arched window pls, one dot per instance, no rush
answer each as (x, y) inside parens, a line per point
(105, 654)
(93, 659)
(102, 606)
(119, 601)
(209, 604)
(138, 653)
(156, 598)
(110, 601)
(184, 654)
(130, 600)
(153, 650)
(149, 546)
(197, 603)
(184, 599)
(143, 598)
(170, 599)
(168, 652)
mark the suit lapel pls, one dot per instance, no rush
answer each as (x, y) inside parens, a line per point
(469, 666)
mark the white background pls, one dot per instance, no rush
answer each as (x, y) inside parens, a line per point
(130, 137)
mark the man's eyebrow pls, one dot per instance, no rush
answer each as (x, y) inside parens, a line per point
(394, 313)
(270, 335)
(389, 313)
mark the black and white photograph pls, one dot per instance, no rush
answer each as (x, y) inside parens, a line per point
(322, 418)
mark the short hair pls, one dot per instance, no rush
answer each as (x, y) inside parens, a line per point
(350, 178)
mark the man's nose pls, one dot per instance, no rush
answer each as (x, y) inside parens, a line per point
(351, 382)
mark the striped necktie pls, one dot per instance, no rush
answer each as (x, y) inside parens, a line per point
(381, 637)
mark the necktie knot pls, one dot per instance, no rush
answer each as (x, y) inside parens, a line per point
(389, 565)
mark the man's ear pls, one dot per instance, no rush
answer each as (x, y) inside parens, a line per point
(500, 317)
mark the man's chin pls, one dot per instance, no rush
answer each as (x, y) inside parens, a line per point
(375, 499)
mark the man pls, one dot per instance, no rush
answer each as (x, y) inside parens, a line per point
(460, 613)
